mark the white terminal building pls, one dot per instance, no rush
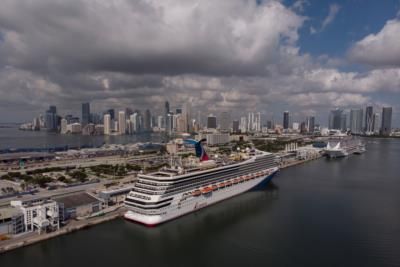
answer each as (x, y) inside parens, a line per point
(40, 215)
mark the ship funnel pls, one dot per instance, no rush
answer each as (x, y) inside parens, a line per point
(200, 152)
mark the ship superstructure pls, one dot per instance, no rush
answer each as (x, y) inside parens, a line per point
(172, 192)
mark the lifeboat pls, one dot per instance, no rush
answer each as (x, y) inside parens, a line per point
(241, 180)
(235, 181)
(221, 185)
(246, 178)
(214, 187)
(228, 183)
(206, 190)
(196, 193)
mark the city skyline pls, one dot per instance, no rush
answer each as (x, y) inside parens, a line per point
(305, 63)
(131, 121)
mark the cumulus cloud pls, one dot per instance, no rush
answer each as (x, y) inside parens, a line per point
(221, 55)
(158, 37)
(380, 49)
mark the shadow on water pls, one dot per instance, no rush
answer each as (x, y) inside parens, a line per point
(221, 215)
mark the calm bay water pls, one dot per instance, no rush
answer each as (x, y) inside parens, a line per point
(14, 138)
(324, 213)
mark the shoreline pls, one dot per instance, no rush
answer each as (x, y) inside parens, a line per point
(29, 239)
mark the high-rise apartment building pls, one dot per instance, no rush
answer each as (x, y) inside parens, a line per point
(225, 121)
(243, 124)
(85, 114)
(310, 124)
(386, 120)
(335, 119)
(211, 122)
(356, 118)
(286, 120)
(235, 126)
(107, 124)
(147, 121)
(369, 119)
(121, 122)
(51, 119)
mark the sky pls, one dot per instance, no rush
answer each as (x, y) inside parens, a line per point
(268, 56)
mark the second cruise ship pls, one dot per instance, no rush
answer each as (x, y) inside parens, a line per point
(172, 192)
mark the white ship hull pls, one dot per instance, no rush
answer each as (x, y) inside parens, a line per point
(180, 207)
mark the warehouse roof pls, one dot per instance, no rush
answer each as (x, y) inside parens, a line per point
(76, 200)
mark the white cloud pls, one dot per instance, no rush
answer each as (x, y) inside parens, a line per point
(148, 36)
(333, 11)
(235, 55)
(380, 49)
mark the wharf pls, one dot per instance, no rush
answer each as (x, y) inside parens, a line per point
(32, 238)
(295, 162)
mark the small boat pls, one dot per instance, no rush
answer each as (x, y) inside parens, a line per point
(221, 185)
(196, 193)
(206, 190)
(214, 187)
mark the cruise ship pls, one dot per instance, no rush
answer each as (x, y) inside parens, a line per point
(172, 192)
(343, 145)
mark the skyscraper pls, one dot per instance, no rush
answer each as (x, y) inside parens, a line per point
(112, 113)
(53, 109)
(147, 121)
(250, 121)
(187, 116)
(375, 124)
(335, 119)
(85, 114)
(286, 120)
(356, 118)
(211, 122)
(121, 123)
(135, 122)
(343, 122)
(257, 122)
(167, 118)
(225, 121)
(369, 119)
(63, 126)
(243, 124)
(107, 124)
(51, 119)
(386, 121)
(235, 126)
(310, 124)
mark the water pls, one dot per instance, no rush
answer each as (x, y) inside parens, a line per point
(324, 213)
(14, 138)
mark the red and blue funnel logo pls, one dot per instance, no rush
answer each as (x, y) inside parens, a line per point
(200, 152)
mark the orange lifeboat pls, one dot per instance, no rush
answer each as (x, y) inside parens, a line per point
(246, 178)
(235, 181)
(241, 180)
(214, 187)
(221, 185)
(206, 190)
(196, 193)
(228, 183)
